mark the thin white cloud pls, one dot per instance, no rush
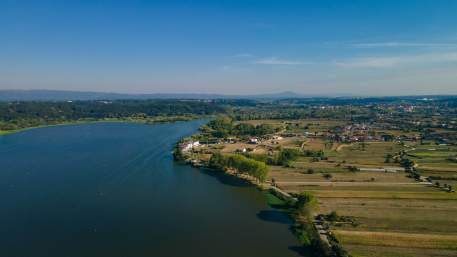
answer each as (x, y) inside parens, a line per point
(369, 62)
(243, 55)
(394, 61)
(277, 61)
(228, 68)
(401, 44)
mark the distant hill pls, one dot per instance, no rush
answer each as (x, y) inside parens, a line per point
(61, 95)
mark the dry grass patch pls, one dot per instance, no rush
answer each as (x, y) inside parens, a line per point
(285, 174)
(408, 240)
(314, 144)
(359, 207)
(389, 251)
(440, 167)
(385, 194)
(231, 148)
(369, 186)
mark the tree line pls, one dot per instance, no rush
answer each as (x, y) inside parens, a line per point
(285, 156)
(224, 126)
(240, 163)
(17, 115)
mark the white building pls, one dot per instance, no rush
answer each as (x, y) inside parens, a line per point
(253, 140)
(189, 145)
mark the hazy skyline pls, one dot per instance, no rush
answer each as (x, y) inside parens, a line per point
(230, 47)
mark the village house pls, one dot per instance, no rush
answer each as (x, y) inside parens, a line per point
(253, 140)
(189, 145)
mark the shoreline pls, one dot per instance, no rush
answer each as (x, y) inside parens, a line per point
(317, 246)
(170, 119)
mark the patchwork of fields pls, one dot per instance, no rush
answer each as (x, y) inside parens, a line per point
(390, 191)
(395, 215)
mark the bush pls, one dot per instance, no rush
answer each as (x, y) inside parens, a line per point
(353, 168)
(304, 233)
(287, 155)
(327, 176)
(333, 216)
(306, 202)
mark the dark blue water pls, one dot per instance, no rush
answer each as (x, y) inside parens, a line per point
(112, 189)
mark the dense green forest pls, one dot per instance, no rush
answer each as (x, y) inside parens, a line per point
(18, 115)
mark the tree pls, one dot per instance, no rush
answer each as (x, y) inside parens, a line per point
(333, 216)
(407, 163)
(273, 182)
(221, 126)
(244, 129)
(217, 161)
(306, 203)
(352, 168)
(363, 145)
(388, 158)
(177, 154)
(264, 129)
(327, 176)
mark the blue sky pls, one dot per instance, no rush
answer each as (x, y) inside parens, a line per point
(363, 47)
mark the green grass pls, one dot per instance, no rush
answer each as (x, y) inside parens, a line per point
(6, 132)
(433, 154)
(372, 153)
(273, 200)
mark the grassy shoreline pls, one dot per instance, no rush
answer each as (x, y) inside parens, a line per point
(150, 120)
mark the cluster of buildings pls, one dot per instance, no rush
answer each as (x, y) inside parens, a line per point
(187, 146)
(351, 133)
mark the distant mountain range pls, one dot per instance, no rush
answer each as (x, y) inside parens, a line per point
(61, 95)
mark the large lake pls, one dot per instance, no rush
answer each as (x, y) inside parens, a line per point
(112, 189)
